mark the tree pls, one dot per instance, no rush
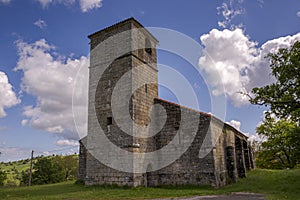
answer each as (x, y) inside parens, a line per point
(24, 179)
(52, 169)
(3, 177)
(283, 96)
(69, 165)
(282, 147)
(47, 171)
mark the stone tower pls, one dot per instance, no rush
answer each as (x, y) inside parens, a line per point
(122, 79)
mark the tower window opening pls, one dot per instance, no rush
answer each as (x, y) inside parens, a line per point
(109, 121)
(148, 46)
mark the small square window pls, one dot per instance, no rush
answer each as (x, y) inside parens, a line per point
(109, 121)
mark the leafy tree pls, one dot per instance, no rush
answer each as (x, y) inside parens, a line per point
(3, 177)
(283, 96)
(69, 165)
(24, 179)
(52, 169)
(282, 147)
(47, 171)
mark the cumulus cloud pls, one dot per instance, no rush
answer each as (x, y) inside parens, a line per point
(298, 14)
(67, 143)
(85, 5)
(235, 124)
(51, 79)
(40, 23)
(5, 1)
(229, 10)
(8, 97)
(239, 61)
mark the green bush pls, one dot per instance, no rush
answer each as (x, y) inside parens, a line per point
(3, 177)
(47, 171)
(52, 169)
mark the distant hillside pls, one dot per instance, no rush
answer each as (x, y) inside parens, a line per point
(14, 169)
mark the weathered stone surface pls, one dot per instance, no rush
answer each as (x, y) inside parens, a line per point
(218, 153)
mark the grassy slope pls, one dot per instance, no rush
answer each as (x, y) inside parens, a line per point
(275, 184)
(9, 169)
(281, 184)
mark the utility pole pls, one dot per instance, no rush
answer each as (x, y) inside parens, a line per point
(30, 171)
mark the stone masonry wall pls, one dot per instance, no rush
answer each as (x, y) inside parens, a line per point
(212, 153)
(189, 169)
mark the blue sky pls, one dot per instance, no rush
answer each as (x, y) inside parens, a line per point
(43, 43)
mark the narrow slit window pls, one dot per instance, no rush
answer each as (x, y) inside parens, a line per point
(148, 46)
(146, 88)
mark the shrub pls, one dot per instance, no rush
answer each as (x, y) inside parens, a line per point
(3, 177)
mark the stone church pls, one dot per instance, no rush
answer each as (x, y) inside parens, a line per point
(134, 137)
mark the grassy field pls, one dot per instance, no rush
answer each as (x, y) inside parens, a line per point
(14, 169)
(274, 184)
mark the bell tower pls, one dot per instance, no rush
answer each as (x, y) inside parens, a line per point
(122, 87)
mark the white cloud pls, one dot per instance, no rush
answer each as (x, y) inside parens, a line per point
(256, 141)
(87, 5)
(8, 97)
(229, 10)
(263, 117)
(51, 80)
(235, 124)
(239, 61)
(5, 1)
(24, 122)
(45, 3)
(67, 143)
(251, 137)
(40, 23)
(13, 153)
(298, 13)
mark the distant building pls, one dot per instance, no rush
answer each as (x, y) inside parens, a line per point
(225, 160)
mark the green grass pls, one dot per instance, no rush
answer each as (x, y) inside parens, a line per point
(275, 184)
(12, 167)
